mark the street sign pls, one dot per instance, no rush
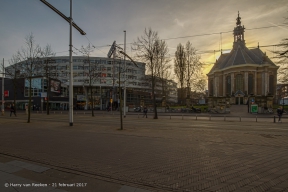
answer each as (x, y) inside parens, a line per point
(6, 93)
(254, 109)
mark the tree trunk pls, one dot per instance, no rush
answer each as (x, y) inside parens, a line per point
(48, 94)
(154, 98)
(91, 98)
(30, 97)
(15, 94)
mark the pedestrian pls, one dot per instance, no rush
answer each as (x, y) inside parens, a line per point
(12, 110)
(279, 113)
(145, 111)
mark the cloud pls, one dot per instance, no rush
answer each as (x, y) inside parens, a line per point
(278, 26)
(181, 24)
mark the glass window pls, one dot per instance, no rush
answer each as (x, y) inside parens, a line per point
(228, 85)
(211, 88)
(271, 84)
(250, 84)
(239, 82)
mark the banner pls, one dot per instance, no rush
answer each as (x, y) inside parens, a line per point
(55, 86)
(81, 98)
(6, 93)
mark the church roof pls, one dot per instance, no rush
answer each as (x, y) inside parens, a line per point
(240, 54)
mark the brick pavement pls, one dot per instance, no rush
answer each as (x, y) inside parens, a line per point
(158, 155)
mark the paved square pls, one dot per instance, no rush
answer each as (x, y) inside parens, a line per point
(159, 155)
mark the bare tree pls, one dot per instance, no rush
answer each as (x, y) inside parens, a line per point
(146, 51)
(193, 67)
(200, 85)
(47, 69)
(180, 69)
(29, 56)
(163, 65)
(90, 72)
(281, 56)
(13, 72)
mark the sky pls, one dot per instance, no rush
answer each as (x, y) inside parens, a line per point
(177, 21)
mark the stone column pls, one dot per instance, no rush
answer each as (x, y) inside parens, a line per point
(232, 83)
(255, 83)
(224, 86)
(216, 85)
(263, 83)
(267, 82)
(246, 82)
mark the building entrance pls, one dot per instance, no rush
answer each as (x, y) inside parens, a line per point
(239, 101)
(239, 97)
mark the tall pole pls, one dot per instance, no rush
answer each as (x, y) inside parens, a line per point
(113, 91)
(125, 74)
(71, 72)
(2, 107)
(120, 98)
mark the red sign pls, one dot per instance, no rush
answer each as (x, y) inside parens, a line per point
(6, 93)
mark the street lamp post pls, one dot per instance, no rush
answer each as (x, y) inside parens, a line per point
(71, 72)
(113, 51)
(69, 20)
(124, 74)
(2, 107)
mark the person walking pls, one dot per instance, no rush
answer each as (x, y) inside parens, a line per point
(145, 111)
(279, 113)
(12, 110)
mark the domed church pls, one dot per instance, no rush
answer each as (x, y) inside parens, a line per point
(243, 76)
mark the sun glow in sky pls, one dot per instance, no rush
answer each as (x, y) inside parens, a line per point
(105, 20)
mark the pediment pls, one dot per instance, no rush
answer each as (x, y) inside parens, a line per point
(239, 93)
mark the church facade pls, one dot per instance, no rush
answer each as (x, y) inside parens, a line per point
(243, 76)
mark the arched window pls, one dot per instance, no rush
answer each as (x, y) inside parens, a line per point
(211, 88)
(239, 83)
(250, 84)
(228, 85)
(271, 84)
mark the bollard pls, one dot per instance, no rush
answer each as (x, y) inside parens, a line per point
(256, 118)
(210, 118)
(196, 117)
(240, 119)
(274, 119)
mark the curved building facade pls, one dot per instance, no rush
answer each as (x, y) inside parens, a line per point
(103, 73)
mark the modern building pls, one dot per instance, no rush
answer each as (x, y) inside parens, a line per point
(18, 90)
(243, 76)
(103, 73)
